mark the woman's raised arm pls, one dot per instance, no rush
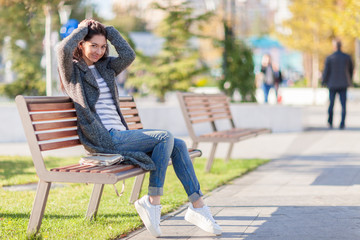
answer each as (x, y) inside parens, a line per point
(66, 49)
(126, 54)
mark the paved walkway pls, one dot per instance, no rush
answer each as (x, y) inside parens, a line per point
(309, 191)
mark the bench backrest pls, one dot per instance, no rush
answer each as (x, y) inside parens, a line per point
(51, 123)
(200, 108)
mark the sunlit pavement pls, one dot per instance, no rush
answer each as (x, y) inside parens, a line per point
(310, 189)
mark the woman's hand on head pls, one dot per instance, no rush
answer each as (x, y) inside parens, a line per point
(86, 22)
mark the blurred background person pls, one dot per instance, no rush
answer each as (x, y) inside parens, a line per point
(337, 76)
(278, 79)
(271, 77)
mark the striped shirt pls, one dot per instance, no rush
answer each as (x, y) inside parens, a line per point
(105, 106)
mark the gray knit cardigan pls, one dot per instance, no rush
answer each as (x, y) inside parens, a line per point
(82, 88)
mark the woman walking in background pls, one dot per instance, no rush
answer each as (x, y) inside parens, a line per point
(272, 77)
(88, 77)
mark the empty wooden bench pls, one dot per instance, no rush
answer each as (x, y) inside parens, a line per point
(209, 108)
(51, 123)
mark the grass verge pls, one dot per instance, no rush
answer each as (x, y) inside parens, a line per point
(67, 205)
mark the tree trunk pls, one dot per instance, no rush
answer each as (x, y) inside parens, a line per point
(307, 62)
(315, 70)
(356, 77)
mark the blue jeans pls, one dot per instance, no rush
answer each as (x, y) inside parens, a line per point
(342, 94)
(162, 146)
(266, 88)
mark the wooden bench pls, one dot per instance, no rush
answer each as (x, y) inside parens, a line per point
(51, 123)
(209, 108)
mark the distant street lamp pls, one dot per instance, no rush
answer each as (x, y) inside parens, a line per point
(47, 11)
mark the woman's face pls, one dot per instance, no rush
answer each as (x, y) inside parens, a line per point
(266, 60)
(94, 49)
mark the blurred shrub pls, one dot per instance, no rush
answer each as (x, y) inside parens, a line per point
(301, 83)
(238, 68)
(20, 86)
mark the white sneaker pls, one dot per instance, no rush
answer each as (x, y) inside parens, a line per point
(202, 218)
(149, 214)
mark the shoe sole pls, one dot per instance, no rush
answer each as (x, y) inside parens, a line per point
(206, 228)
(145, 218)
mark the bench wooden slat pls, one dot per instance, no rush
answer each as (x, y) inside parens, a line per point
(195, 109)
(57, 169)
(99, 169)
(116, 168)
(90, 168)
(52, 116)
(57, 145)
(129, 112)
(94, 169)
(230, 133)
(199, 114)
(119, 168)
(126, 99)
(132, 119)
(190, 104)
(209, 119)
(67, 168)
(263, 130)
(78, 168)
(127, 104)
(205, 98)
(56, 135)
(50, 106)
(135, 126)
(54, 125)
(210, 103)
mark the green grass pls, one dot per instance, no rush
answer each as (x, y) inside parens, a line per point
(66, 206)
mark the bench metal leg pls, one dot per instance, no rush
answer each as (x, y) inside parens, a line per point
(94, 201)
(211, 158)
(38, 210)
(135, 193)
(229, 152)
(194, 145)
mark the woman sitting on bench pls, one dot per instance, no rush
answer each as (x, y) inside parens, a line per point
(88, 77)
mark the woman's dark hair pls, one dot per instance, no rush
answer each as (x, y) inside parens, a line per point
(94, 28)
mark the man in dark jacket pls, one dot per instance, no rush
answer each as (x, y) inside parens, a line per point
(337, 76)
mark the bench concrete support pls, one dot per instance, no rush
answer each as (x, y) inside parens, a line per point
(94, 201)
(135, 193)
(229, 152)
(38, 210)
(211, 158)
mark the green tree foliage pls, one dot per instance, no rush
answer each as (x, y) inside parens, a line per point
(176, 66)
(25, 21)
(238, 69)
(126, 19)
